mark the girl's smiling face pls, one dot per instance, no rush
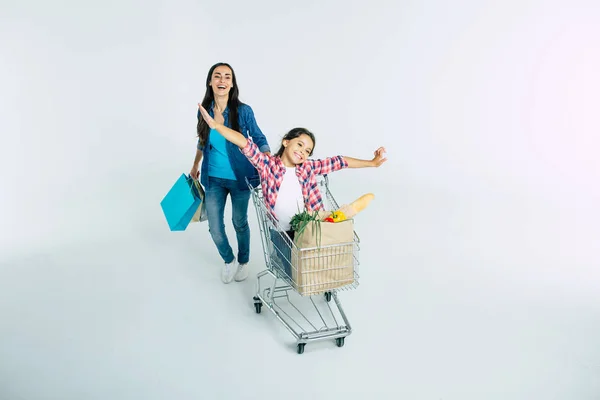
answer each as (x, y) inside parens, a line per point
(297, 150)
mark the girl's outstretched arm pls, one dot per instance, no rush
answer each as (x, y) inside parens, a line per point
(247, 147)
(233, 136)
(375, 162)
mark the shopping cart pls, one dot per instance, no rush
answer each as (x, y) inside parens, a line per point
(298, 274)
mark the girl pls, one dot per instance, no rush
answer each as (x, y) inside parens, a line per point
(224, 169)
(288, 179)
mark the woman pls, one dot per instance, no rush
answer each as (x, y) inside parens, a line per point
(224, 168)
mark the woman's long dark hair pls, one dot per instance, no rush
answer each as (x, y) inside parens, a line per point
(233, 103)
(293, 134)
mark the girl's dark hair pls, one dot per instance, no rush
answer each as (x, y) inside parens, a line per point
(233, 103)
(293, 134)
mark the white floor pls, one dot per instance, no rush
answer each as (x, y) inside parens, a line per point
(480, 263)
(460, 300)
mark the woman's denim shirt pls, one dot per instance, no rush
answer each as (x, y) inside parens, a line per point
(240, 164)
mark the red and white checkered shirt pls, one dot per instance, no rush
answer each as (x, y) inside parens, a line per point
(271, 171)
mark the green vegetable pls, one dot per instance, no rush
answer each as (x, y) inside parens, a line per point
(302, 219)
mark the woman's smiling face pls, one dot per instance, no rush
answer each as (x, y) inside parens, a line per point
(221, 80)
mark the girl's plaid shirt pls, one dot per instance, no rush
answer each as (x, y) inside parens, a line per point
(271, 171)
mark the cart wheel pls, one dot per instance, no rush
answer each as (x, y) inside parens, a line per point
(257, 304)
(301, 348)
(328, 296)
(339, 342)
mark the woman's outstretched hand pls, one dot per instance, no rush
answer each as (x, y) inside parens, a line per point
(206, 116)
(379, 157)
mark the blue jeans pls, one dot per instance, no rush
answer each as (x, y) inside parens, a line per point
(216, 195)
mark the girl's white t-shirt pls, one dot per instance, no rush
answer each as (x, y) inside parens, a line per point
(289, 198)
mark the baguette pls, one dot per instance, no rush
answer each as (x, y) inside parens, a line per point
(362, 202)
(348, 211)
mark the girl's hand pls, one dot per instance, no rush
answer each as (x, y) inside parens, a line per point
(206, 116)
(379, 157)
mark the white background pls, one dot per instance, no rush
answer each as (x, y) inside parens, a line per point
(479, 256)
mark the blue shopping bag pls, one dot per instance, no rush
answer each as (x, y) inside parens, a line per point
(181, 203)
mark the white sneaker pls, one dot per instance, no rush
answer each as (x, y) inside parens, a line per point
(228, 271)
(242, 272)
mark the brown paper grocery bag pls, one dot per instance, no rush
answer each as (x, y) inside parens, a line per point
(324, 259)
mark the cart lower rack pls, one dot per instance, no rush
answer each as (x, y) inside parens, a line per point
(302, 281)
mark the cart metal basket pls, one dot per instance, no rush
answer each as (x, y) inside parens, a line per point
(302, 281)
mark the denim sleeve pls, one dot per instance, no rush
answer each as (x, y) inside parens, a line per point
(254, 131)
